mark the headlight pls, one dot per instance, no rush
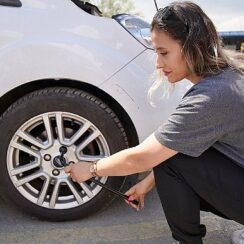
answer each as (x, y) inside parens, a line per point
(137, 27)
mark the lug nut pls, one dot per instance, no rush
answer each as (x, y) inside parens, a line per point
(47, 157)
(56, 172)
(63, 149)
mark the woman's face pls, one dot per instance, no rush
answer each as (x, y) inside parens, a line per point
(169, 57)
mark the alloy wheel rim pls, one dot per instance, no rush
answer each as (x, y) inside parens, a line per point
(33, 159)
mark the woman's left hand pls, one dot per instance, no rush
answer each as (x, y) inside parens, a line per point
(79, 172)
(138, 191)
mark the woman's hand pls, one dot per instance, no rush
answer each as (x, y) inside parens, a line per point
(79, 172)
(138, 191)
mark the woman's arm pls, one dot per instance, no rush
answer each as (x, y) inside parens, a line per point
(129, 161)
(134, 160)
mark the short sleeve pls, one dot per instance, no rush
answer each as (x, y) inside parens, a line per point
(194, 126)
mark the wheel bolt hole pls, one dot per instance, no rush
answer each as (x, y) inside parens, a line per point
(47, 157)
(55, 172)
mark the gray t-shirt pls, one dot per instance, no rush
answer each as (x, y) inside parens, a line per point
(211, 113)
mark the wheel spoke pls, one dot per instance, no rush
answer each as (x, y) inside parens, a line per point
(24, 168)
(28, 178)
(60, 128)
(31, 139)
(87, 190)
(88, 140)
(74, 191)
(26, 149)
(54, 196)
(48, 128)
(43, 192)
(79, 133)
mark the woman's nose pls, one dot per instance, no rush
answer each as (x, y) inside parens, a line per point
(159, 63)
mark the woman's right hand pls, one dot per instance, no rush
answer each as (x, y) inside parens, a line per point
(138, 191)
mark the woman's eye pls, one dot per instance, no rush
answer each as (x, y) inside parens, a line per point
(165, 53)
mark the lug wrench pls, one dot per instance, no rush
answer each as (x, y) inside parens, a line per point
(114, 191)
(63, 150)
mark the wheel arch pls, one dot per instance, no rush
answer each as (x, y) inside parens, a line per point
(10, 97)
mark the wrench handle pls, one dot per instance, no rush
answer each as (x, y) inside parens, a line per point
(114, 191)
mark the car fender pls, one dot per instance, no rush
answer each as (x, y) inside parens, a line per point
(56, 48)
(132, 94)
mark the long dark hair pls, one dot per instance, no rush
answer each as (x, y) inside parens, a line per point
(201, 46)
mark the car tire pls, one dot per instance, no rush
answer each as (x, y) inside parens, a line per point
(32, 131)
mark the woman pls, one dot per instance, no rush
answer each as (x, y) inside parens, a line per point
(197, 156)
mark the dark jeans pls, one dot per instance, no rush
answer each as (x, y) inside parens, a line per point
(211, 182)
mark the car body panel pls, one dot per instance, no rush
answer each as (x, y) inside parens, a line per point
(64, 49)
(132, 93)
(38, 42)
